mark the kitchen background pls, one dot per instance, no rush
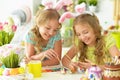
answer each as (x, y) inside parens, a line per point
(105, 10)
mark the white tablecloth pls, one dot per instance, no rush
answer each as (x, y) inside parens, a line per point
(47, 76)
(59, 76)
(55, 75)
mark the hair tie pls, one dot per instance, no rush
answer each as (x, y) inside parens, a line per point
(78, 10)
(53, 4)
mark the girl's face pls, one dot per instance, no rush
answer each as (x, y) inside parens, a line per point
(49, 30)
(86, 34)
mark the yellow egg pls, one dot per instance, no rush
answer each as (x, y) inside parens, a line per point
(85, 78)
(1, 71)
(21, 70)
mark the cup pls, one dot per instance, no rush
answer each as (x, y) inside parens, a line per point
(35, 68)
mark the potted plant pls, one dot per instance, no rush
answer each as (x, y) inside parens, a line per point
(7, 31)
(81, 1)
(11, 63)
(92, 5)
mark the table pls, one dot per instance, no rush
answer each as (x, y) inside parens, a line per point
(53, 75)
(47, 76)
(59, 76)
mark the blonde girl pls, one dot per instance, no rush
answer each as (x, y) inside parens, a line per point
(43, 41)
(92, 47)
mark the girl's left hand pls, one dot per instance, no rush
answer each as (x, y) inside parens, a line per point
(85, 64)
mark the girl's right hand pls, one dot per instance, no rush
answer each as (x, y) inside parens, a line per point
(26, 60)
(50, 54)
(73, 67)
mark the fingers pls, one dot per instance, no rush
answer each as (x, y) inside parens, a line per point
(84, 64)
(87, 60)
(50, 54)
(26, 60)
(73, 67)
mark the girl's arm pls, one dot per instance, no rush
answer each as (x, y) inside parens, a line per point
(114, 51)
(66, 60)
(54, 60)
(30, 53)
(29, 50)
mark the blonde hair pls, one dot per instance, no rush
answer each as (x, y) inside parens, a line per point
(93, 21)
(42, 18)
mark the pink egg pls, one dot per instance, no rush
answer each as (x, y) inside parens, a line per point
(6, 72)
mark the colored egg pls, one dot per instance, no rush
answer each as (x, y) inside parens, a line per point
(1, 71)
(21, 70)
(85, 78)
(6, 72)
(73, 69)
(44, 70)
(14, 71)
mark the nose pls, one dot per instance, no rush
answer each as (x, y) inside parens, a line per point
(51, 32)
(82, 37)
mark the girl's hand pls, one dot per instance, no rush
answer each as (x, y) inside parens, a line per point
(73, 67)
(1, 64)
(50, 54)
(26, 60)
(85, 64)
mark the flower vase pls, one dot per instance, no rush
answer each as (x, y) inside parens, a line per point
(13, 71)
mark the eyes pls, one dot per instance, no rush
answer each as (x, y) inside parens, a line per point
(49, 28)
(82, 33)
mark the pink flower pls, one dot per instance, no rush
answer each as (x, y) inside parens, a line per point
(14, 27)
(5, 23)
(7, 29)
(1, 27)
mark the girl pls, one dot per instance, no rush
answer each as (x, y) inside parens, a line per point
(43, 41)
(92, 47)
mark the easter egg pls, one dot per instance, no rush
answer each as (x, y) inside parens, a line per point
(21, 70)
(73, 69)
(14, 71)
(1, 71)
(6, 72)
(85, 78)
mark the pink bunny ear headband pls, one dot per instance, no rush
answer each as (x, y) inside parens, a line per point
(79, 9)
(56, 5)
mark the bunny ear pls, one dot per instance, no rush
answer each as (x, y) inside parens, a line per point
(80, 8)
(62, 3)
(48, 3)
(66, 15)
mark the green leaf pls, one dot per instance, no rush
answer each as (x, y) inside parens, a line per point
(11, 35)
(1, 43)
(6, 40)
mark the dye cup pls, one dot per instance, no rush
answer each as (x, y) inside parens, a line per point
(35, 68)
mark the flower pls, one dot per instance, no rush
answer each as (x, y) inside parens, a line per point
(7, 31)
